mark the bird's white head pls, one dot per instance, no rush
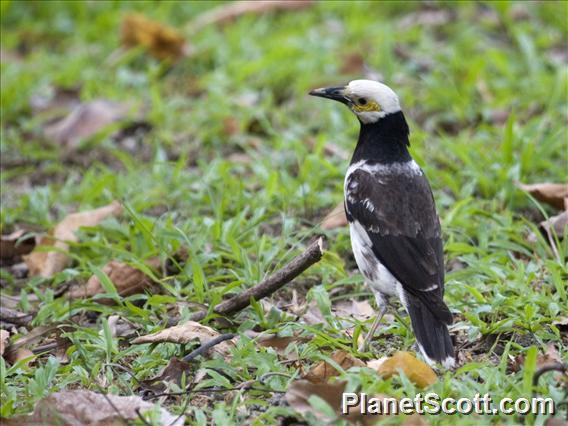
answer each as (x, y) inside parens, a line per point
(368, 99)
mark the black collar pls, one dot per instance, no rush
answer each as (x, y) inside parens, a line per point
(384, 141)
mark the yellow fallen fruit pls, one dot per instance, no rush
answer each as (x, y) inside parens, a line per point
(417, 371)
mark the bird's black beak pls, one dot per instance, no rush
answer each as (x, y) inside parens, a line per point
(335, 93)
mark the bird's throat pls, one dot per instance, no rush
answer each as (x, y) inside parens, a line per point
(384, 141)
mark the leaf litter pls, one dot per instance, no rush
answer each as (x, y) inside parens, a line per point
(84, 121)
(50, 256)
(161, 41)
(187, 333)
(127, 279)
(84, 407)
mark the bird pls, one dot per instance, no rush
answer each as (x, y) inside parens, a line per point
(393, 223)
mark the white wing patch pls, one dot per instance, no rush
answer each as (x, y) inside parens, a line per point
(369, 205)
(432, 287)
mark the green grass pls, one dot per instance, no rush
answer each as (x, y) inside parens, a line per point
(242, 220)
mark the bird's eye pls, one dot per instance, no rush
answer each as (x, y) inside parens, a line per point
(362, 101)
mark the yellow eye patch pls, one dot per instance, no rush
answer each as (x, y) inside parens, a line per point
(368, 107)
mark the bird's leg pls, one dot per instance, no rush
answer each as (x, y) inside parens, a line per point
(383, 305)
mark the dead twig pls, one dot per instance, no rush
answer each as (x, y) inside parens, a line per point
(208, 345)
(299, 264)
(14, 317)
(545, 369)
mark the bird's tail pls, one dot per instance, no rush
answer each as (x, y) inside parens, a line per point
(431, 334)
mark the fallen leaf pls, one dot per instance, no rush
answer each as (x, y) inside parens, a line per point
(83, 407)
(127, 280)
(20, 349)
(417, 371)
(335, 218)
(186, 333)
(84, 121)
(46, 263)
(121, 327)
(374, 364)
(230, 11)
(161, 41)
(18, 355)
(173, 373)
(14, 316)
(361, 311)
(300, 392)
(323, 370)
(556, 223)
(554, 226)
(14, 245)
(550, 357)
(4, 336)
(62, 345)
(33, 336)
(554, 194)
(280, 344)
(54, 100)
(309, 312)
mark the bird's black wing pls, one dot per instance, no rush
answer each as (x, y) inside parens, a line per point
(398, 213)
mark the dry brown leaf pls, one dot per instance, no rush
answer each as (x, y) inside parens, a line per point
(84, 121)
(161, 41)
(550, 357)
(323, 370)
(335, 218)
(300, 392)
(54, 100)
(20, 349)
(121, 327)
(83, 407)
(13, 356)
(353, 308)
(229, 11)
(47, 263)
(4, 336)
(417, 371)
(173, 373)
(280, 344)
(552, 228)
(310, 313)
(13, 246)
(374, 364)
(556, 224)
(186, 333)
(127, 280)
(554, 194)
(33, 336)
(12, 302)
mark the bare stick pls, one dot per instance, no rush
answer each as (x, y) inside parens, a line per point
(299, 264)
(208, 345)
